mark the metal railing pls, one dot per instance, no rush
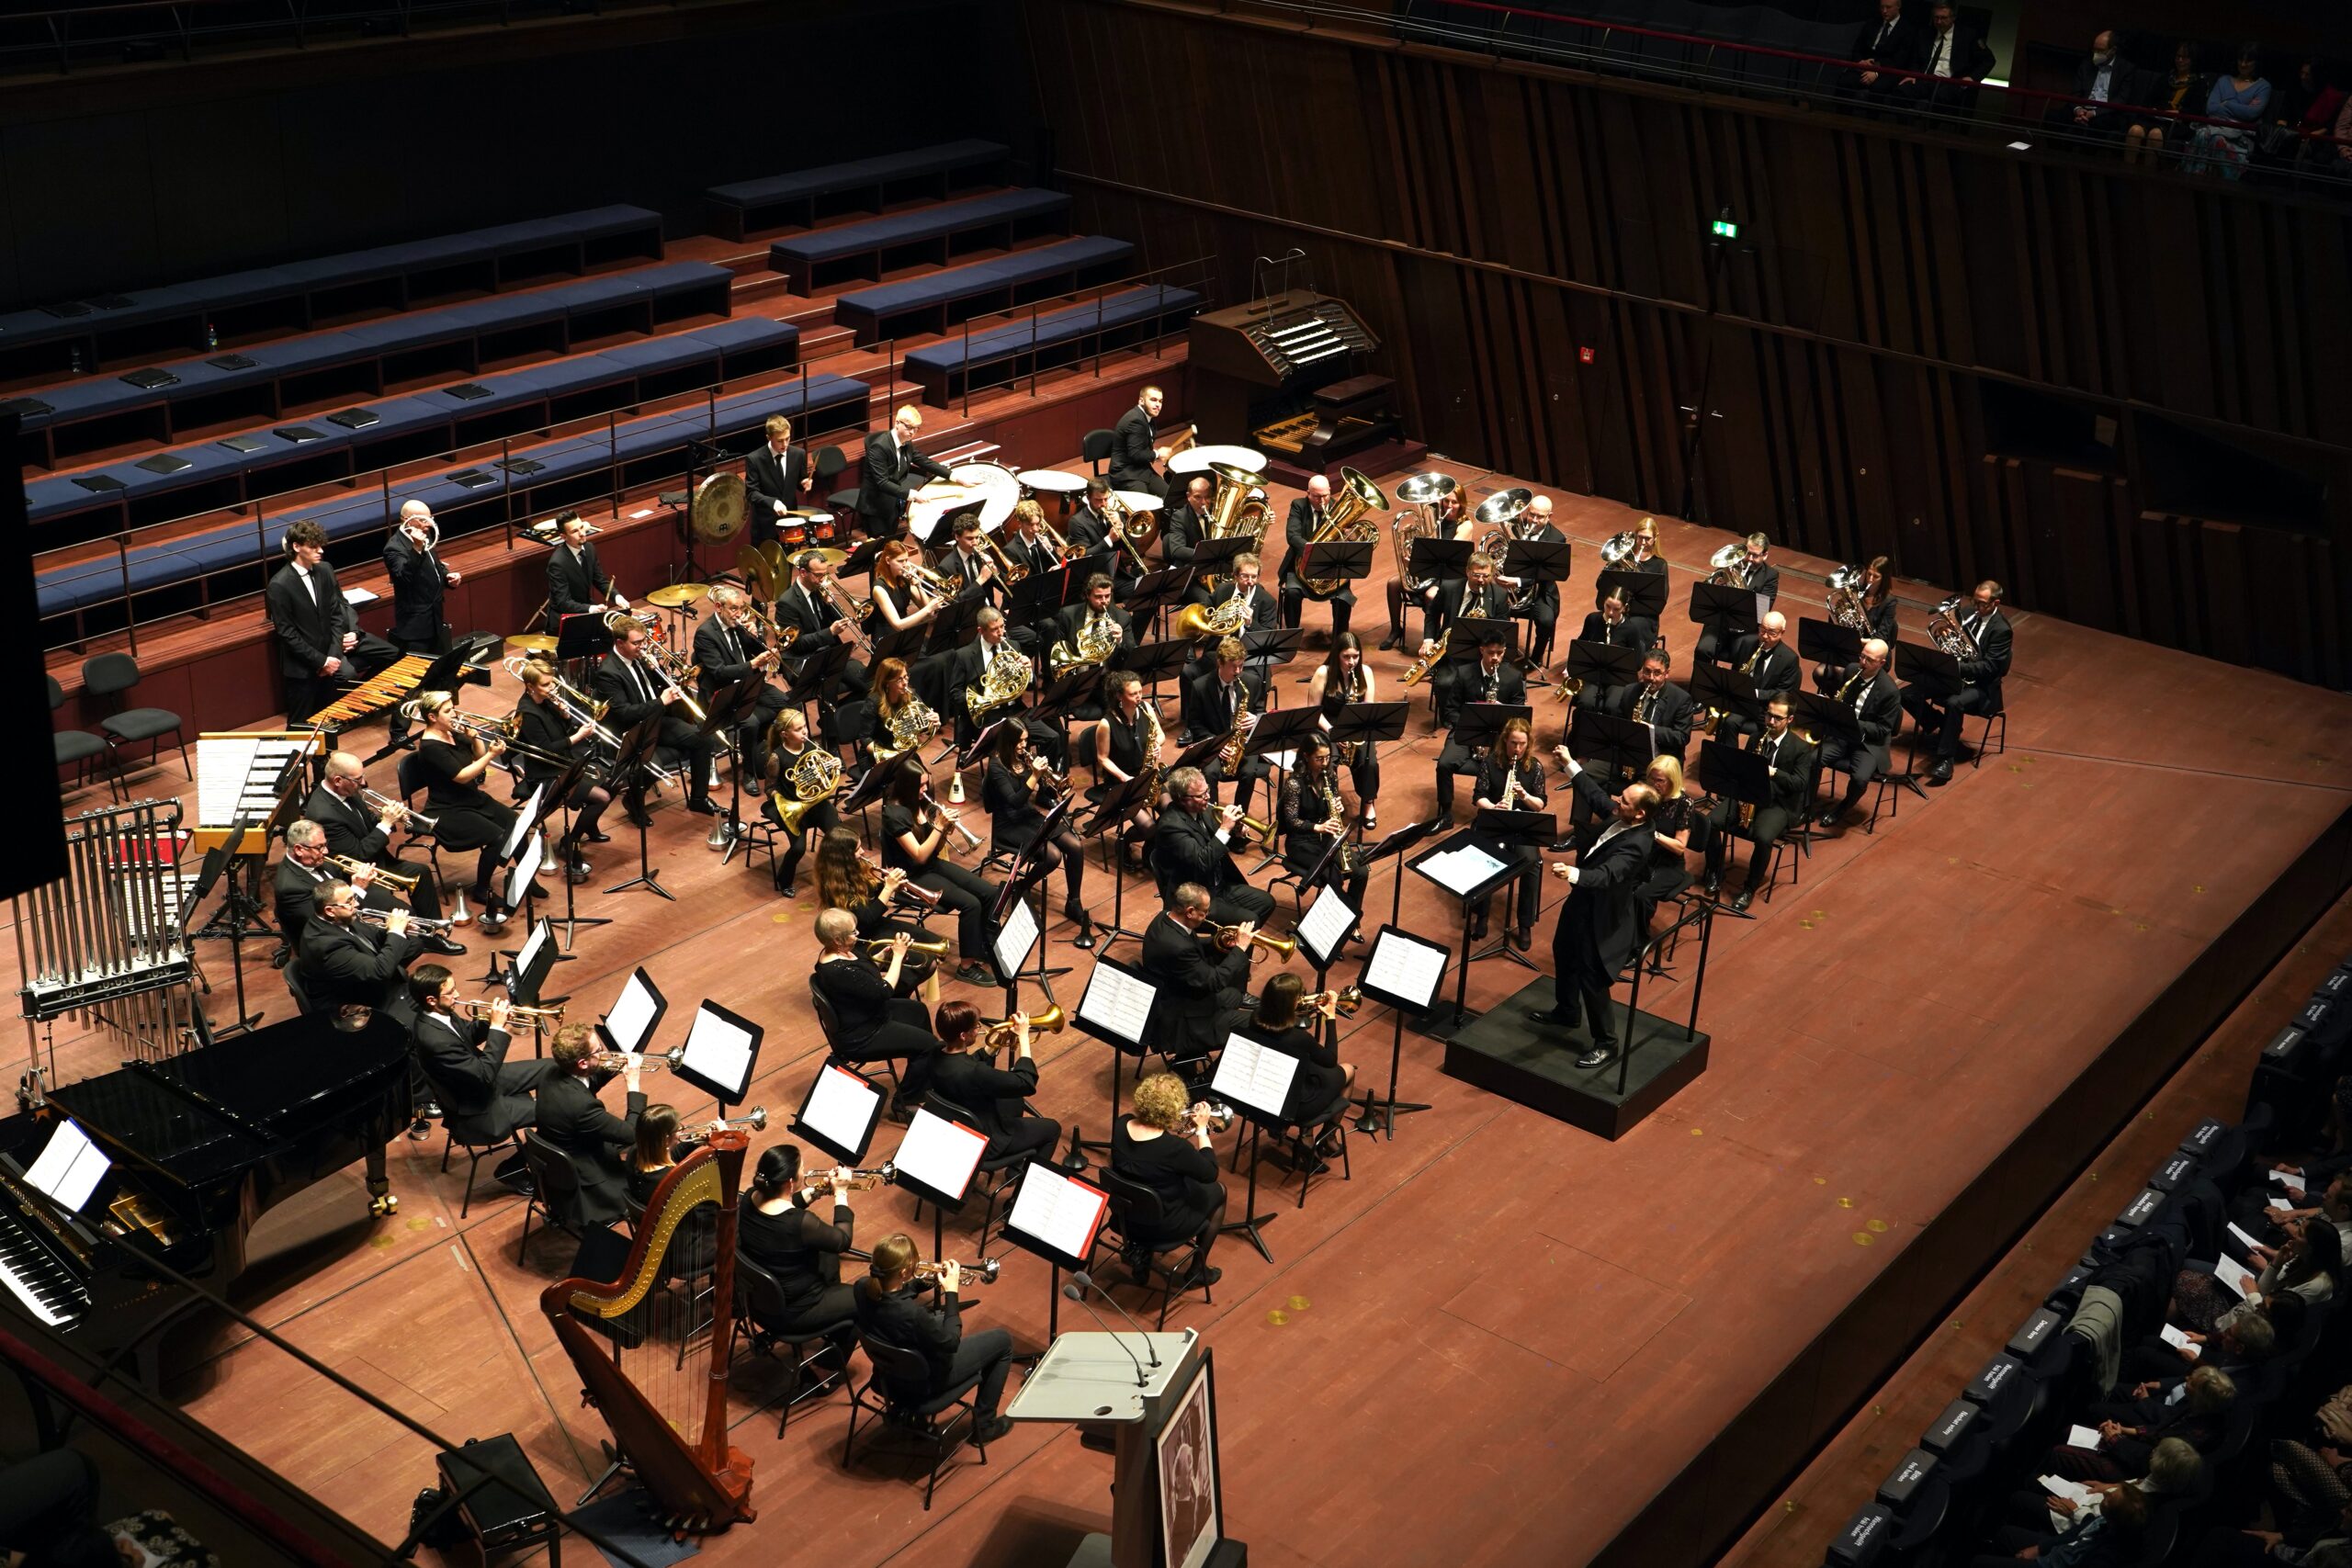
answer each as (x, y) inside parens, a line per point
(1201, 270)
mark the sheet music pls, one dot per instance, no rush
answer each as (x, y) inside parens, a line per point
(631, 1018)
(1015, 938)
(1249, 1074)
(1060, 1211)
(526, 957)
(2179, 1340)
(1118, 1002)
(526, 816)
(69, 1166)
(518, 880)
(1402, 966)
(720, 1050)
(841, 1107)
(941, 1153)
(1325, 925)
(1460, 870)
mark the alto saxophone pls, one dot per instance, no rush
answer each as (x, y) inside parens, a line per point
(1228, 756)
(1152, 738)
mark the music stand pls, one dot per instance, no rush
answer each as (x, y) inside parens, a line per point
(936, 1162)
(1513, 828)
(1346, 560)
(1535, 561)
(1937, 673)
(860, 560)
(1825, 642)
(723, 715)
(1281, 730)
(582, 634)
(1723, 611)
(239, 915)
(1603, 664)
(1468, 881)
(955, 626)
(1403, 973)
(904, 643)
(1738, 776)
(876, 784)
(1213, 558)
(1430, 559)
(1366, 723)
(1645, 592)
(560, 795)
(635, 753)
(1020, 931)
(1469, 631)
(810, 675)
(1721, 686)
(1273, 645)
(1158, 588)
(1080, 686)
(1152, 660)
(839, 1113)
(1258, 1081)
(1115, 1008)
(1115, 811)
(721, 1056)
(1477, 724)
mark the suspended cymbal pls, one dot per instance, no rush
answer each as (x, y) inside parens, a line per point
(832, 557)
(758, 574)
(718, 514)
(526, 645)
(678, 595)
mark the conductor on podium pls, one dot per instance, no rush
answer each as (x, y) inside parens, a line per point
(1597, 934)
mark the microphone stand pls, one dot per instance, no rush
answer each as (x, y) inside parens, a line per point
(1076, 1290)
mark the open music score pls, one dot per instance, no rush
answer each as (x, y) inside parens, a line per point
(937, 1158)
(519, 876)
(69, 1167)
(238, 775)
(1325, 926)
(1056, 1216)
(1117, 1006)
(1249, 1074)
(1015, 940)
(841, 1113)
(526, 817)
(722, 1052)
(1403, 970)
(1459, 870)
(632, 1020)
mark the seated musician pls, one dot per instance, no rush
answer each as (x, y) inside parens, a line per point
(1988, 630)
(320, 645)
(1186, 848)
(966, 566)
(465, 815)
(1453, 523)
(1511, 779)
(1022, 540)
(1092, 628)
(1871, 691)
(729, 648)
(777, 1228)
(360, 831)
(1313, 816)
(903, 723)
(1126, 746)
(1541, 609)
(1220, 698)
(347, 962)
(635, 688)
(1647, 556)
(1241, 601)
(1765, 657)
(1878, 600)
(548, 729)
(1200, 974)
(795, 768)
(1341, 680)
(847, 880)
(1185, 524)
(916, 839)
(1759, 577)
(577, 584)
(1658, 702)
(900, 598)
(483, 1097)
(1472, 596)
(1016, 792)
(659, 1147)
(1290, 1021)
(967, 672)
(1790, 759)
(889, 1308)
(1163, 1143)
(967, 1074)
(1612, 625)
(572, 1119)
(1494, 681)
(807, 609)
(1681, 830)
(1095, 529)
(304, 870)
(1309, 516)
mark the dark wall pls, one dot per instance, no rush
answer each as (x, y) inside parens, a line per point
(192, 171)
(2067, 375)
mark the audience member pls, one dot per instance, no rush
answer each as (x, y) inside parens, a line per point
(2238, 102)
(1953, 59)
(2113, 87)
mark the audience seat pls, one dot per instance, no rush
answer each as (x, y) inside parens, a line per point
(938, 300)
(867, 183)
(1001, 354)
(927, 234)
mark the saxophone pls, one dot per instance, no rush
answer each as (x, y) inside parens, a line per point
(1006, 677)
(1228, 756)
(910, 728)
(1334, 825)
(1419, 670)
(1152, 738)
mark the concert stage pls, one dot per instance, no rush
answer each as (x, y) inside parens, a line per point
(1505, 1340)
(1504, 1052)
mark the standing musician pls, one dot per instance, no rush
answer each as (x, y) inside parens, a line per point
(1132, 449)
(969, 667)
(1511, 779)
(1308, 515)
(1765, 657)
(1126, 746)
(899, 599)
(1286, 1020)
(915, 832)
(890, 1309)
(1453, 523)
(787, 749)
(1675, 821)
(635, 688)
(550, 731)
(576, 582)
(364, 833)
(1596, 935)
(1216, 700)
(1338, 681)
(1871, 691)
(485, 1098)
(1095, 619)
(806, 610)
(1200, 978)
(891, 461)
(776, 478)
(1790, 759)
(1184, 526)
(967, 1074)
(1759, 577)
(1494, 681)
(1186, 848)
(727, 649)
(1017, 791)
(1312, 818)
(1163, 1143)
(1989, 629)
(872, 1023)
(419, 581)
(777, 1229)
(320, 645)
(465, 815)
(572, 1119)
(1542, 611)
(847, 880)
(1612, 625)
(346, 962)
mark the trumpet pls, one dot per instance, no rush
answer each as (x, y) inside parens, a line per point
(983, 1273)
(481, 1005)
(755, 1119)
(415, 922)
(1001, 1031)
(880, 946)
(1262, 830)
(971, 839)
(1284, 945)
(378, 802)
(619, 1060)
(1344, 1002)
(381, 876)
(854, 1181)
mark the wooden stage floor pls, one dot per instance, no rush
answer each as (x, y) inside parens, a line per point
(1502, 1337)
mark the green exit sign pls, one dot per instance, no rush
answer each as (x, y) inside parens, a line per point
(1725, 229)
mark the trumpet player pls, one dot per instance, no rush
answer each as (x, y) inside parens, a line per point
(889, 1308)
(576, 581)
(1163, 1142)
(1094, 529)
(1871, 691)
(1200, 979)
(635, 687)
(1496, 679)
(346, 962)
(1290, 1021)
(915, 840)
(871, 1021)
(1789, 760)
(1511, 779)
(1224, 700)
(573, 1118)
(362, 833)
(1017, 790)
(1988, 630)
(465, 815)
(1313, 817)
(778, 1229)
(485, 1098)
(788, 748)
(1759, 577)
(550, 731)
(305, 871)
(729, 648)
(419, 581)
(996, 1098)
(1188, 846)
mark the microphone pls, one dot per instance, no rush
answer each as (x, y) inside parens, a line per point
(1077, 1293)
(1085, 1281)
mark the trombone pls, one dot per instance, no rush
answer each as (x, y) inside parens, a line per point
(378, 802)
(1284, 945)
(381, 877)
(503, 731)
(576, 704)
(660, 655)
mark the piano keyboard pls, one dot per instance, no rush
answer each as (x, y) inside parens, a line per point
(42, 1285)
(381, 689)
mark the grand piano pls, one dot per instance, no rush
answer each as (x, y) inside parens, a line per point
(202, 1145)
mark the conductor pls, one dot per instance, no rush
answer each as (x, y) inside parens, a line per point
(1597, 934)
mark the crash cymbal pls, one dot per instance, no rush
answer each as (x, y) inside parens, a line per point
(678, 595)
(524, 646)
(832, 557)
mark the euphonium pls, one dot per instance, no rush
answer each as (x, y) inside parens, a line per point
(1844, 599)
(1729, 565)
(1344, 520)
(1618, 549)
(1946, 632)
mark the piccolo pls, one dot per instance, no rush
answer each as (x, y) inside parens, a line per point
(984, 1271)
(415, 922)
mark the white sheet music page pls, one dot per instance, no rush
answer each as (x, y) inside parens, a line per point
(69, 1166)
(528, 954)
(1460, 870)
(632, 1017)
(1248, 1074)
(1015, 938)
(1325, 924)
(1056, 1211)
(841, 1106)
(1118, 1002)
(524, 819)
(941, 1153)
(720, 1049)
(518, 881)
(1402, 966)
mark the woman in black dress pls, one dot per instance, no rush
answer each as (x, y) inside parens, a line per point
(1284, 1022)
(778, 1229)
(915, 839)
(1163, 1142)
(1878, 600)
(847, 880)
(788, 749)
(894, 695)
(899, 601)
(466, 816)
(871, 1021)
(1677, 821)
(1126, 748)
(1339, 679)
(1310, 799)
(547, 729)
(1511, 778)
(1009, 792)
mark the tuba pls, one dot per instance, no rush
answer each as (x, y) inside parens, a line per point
(1424, 493)
(1347, 520)
(1237, 510)
(1006, 677)
(1946, 632)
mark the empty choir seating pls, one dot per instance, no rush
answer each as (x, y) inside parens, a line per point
(936, 302)
(932, 233)
(1001, 352)
(864, 185)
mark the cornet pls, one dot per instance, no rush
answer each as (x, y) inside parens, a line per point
(1345, 1003)
(855, 1180)
(378, 802)
(880, 946)
(983, 1273)
(382, 878)
(1284, 945)
(971, 839)
(755, 1119)
(998, 1032)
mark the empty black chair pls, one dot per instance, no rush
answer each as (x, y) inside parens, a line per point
(110, 673)
(933, 1418)
(555, 1192)
(76, 748)
(1096, 448)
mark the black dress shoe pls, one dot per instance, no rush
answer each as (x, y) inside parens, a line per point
(1939, 770)
(1604, 1051)
(443, 945)
(990, 1429)
(1741, 900)
(1563, 846)
(637, 817)
(1551, 1018)
(597, 836)
(1714, 885)
(1522, 938)
(700, 805)
(1478, 927)
(973, 973)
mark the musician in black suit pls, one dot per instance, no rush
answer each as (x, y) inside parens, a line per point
(1446, 600)
(1596, 935)
(1308, 515)
(347, 962)
(729, 648)
(1789, 760)
(1198, 978)
(1093, 617)
(1132, 449)
(967, 1074)
(1097, 525)
(1183, 525)
(1212, 701)
(891, 462)
(1952, 59)
(320, 645)
(303, 871)
(776, 479)
(419, 582)
(1871, 691)
(965, 561)
(805, 609)
(576, 581)
(1658, 702)
(1765, 657)
(967, 668)
(1886, 43)
(362, 833)
(1758, 576)
(636, 689)
(573, 1119)
(483, 1097)
(1494, 681)
(1612, 625)
(1541, 609)
(1989, 630)
(1185, 847)
(1240, 600)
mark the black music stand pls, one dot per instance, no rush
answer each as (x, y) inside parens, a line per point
(725, 713)
(1740, 777)
(1825, 642)
(1464, 838)
(1477, 724)
(1080, 686)
(240, 914)
(582, 634)
(1261, 650)
(1512, 829)
(1158, 588)
(1122, 1045)
(1345, 560)
(956, 625)
(635, 752)
(1152, 660)
(1028, 876)
(812, 675)
(1722, 687)
(905, 643)
(1467, 632)
(1724, 611)
(860, 561)
(1368, 723)
(1118, 810)
(560, 795)
(1037, 597)
(1937, 673)
(1380, 1114)
(1645, 592)
(1603, 664)
(1213, 558)
(1535, 562)
(1430, 559)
